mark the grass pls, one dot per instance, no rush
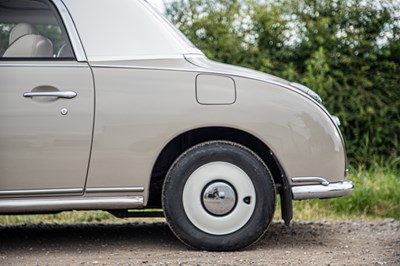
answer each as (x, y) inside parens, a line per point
(376, 197)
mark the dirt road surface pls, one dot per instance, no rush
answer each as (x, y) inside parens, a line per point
(303, 243)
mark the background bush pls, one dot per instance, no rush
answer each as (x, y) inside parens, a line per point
(347, 51)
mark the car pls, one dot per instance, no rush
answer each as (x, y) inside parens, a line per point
(105, 105)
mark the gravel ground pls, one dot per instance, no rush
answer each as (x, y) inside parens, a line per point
(303, 243)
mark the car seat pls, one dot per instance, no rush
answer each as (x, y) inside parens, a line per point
(24, 41)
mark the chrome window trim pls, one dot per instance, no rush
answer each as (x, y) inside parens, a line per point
(135, 58)
(52, 64)
(10, 206)
(138, 67)
(71, 31)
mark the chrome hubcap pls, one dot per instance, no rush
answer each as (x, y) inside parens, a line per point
(219, 198)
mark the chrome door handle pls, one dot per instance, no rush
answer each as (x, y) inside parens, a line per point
(58, 94)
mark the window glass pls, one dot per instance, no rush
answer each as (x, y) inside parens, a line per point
(32, 29)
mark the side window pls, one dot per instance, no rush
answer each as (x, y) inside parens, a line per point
(32, 29)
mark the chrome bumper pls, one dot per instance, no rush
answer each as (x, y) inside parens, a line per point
(332, 190)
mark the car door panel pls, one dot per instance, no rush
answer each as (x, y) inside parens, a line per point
(45, 140)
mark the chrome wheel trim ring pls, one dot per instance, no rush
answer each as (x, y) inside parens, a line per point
(200, 179)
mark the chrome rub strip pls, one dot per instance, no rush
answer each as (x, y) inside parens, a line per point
(114, 190)
(40, 191)
(68, 204)
(46, 63)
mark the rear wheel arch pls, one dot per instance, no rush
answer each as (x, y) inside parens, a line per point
(188, 139)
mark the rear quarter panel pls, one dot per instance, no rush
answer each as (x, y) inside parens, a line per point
(139, 110)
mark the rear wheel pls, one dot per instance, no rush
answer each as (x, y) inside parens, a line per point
(219, 196)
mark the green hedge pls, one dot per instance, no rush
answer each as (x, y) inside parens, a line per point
(376, 196)
(347, 51)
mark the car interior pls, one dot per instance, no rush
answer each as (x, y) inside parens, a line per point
(32, 29)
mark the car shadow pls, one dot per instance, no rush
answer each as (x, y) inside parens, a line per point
(308, 234)
(138, 236)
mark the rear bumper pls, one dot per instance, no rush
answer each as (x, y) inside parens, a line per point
(332, 190)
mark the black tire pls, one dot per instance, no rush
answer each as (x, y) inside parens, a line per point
(240, 172)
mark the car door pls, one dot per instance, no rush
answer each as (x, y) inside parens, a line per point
(46, 104)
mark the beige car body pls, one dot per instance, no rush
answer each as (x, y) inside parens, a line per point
(138, 106)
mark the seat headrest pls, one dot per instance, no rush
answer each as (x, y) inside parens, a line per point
(20, 30)
(30, 45)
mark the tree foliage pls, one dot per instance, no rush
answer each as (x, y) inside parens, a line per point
(4, 39)
(347, 51)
